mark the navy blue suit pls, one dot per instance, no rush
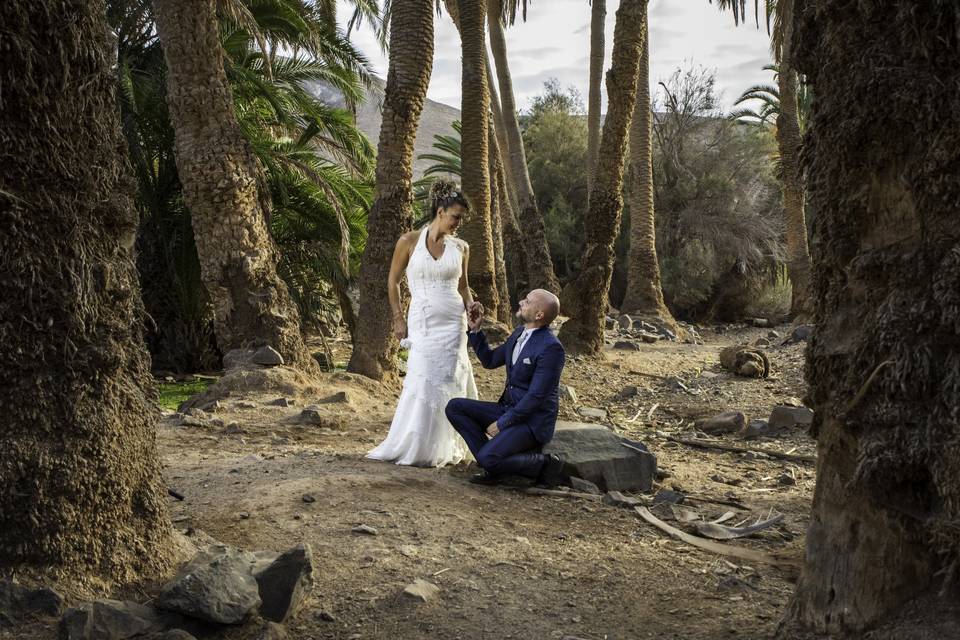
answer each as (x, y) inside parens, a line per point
(526, 413)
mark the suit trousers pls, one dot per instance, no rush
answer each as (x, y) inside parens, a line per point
(513, 451)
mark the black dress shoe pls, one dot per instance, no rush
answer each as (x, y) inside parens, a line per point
(484, 478)
(552, 471)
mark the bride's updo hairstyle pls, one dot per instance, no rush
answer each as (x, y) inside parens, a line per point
(446, 193)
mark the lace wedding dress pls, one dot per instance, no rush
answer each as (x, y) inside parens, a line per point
(438, 367)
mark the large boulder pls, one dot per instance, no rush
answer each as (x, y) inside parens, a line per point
(594, 453)
(111, 620)
(216, 586)
(285, 582)
(18, 601)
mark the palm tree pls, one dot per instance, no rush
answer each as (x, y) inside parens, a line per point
(598, 16)
(411, 61)
(540, 271)
(586, 296)
(83, 495)
(789, 139)
(644, 295)
(223, 186)
(769, 98)
(882, 548)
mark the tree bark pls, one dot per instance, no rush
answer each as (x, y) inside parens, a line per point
(598, 16)
(496, 219)
(883, 367)
(223, 188)
(789, 139)
(540, 267)
(586, 296)
(83, 492)
(411, 61)
(474, 114)
(644, 295)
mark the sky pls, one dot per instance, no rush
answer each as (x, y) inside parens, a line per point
(555, 43)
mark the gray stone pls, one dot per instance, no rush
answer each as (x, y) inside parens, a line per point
(773, 335)
(17, 601)
(569, 394)
(421, 590)
(676, 384)
(760, 322)
(666, 496)
(340, 396)
(758, 428)
(628, 392)
(626, 345)
(246, 404)
(365, 529)
(584, 486)
(786, 479)
(726, 422)
(784, 417)
(280, 402)
(617, 499)
(592, 412)
(285, 583)
(625, 322)
(267, 356)
(762, 342)
(171, 634)
(110, 620)
(594, 453)
(800, 333)
(312, 415)
(215, 586)
(649, 338)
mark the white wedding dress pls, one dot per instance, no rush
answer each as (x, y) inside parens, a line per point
(438, 367)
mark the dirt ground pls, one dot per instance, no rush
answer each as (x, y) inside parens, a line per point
(508, 565)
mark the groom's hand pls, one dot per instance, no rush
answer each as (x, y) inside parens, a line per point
(493, 430)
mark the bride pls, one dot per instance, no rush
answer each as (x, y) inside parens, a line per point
(435, 331)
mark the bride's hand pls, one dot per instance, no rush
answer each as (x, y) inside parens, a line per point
(399, 328)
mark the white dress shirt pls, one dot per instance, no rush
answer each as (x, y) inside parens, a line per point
(518, 347)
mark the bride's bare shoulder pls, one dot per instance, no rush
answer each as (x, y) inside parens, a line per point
(460, 243)
(408, 239)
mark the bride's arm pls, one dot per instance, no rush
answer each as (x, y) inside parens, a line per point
(401, 256)
(464, 286)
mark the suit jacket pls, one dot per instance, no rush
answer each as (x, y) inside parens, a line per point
(531, 395)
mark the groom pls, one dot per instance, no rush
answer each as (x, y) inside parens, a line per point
(505, 436)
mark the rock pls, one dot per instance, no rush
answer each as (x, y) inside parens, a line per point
(215, 586)
(617, 499)
(592, 412)
(267, 356)
(800, 333)
(325, 361)
(762, 342)
(625, 322)
(308, 498)
(569, 394)
(17, 601)
(365, 529)
(340, 396)
(171, 634)
(626, 345)
(213, 406)
(313, 416)
(584, 486)
(285, 582)
(649, 338)
(280, 402)
(784, 417)
(758, 428)
(594, 453)
(745, 361)
(666, 496)
(726, 422)
(760, 322)
(272, 631)
(773, 335)
(676, 384)
(422, 590)
(628, 392)
(110, 620)
(610, 323)
(786, 479)
(246, 404)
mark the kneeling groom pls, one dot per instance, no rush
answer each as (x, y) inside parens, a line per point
(505, 436)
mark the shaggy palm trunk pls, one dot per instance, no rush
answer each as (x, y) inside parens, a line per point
(475, 108)
(496, 219)
(223, 188)
(411, 61)
(598, 17)
(515, 248)
(644, 296)
(586, 296)
(82, 488)
(789, 140)
(540, 267)
(883, 367)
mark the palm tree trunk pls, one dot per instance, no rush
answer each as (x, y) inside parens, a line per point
(540, 269)
(598, 17)
(644, 295)
(586, 296)
(474, 114)
(222, 187)
(496, 219)
(411, 61)
(83, 492)
(883, 366)
(789, 140)
(514, 243)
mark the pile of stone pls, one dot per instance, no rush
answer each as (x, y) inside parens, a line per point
(630, 332)
(219, 586)
(782, 418)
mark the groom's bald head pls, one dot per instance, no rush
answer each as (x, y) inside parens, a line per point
(539, 307)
